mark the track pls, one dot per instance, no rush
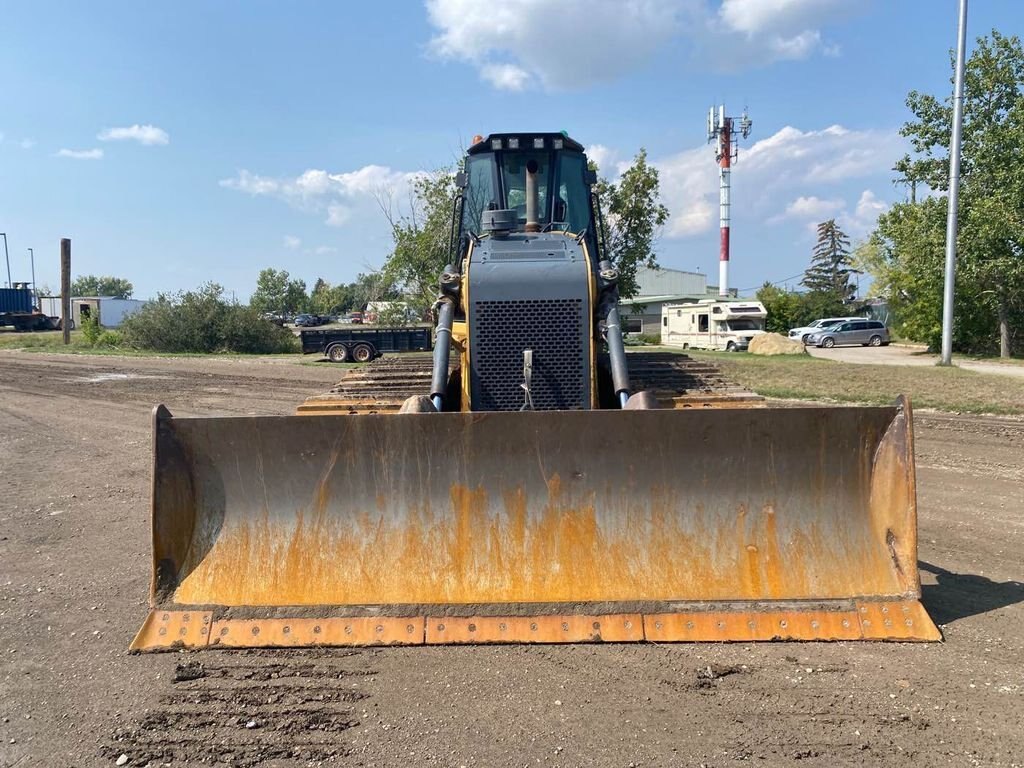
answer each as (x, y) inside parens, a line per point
(678, 381)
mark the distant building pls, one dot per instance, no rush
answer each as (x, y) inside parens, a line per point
(657, 287)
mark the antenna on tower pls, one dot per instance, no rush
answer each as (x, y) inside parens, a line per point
(722, 130)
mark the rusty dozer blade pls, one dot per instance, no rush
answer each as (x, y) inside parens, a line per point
(744, 524)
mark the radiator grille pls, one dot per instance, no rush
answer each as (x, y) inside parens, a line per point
(554, 330)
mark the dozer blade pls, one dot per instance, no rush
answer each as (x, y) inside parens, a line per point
(740, 524)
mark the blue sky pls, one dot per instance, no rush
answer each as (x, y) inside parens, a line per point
(182, 142)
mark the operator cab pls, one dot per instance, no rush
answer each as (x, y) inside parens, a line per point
(498, 175)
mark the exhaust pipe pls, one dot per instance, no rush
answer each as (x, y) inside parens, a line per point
(532, 198)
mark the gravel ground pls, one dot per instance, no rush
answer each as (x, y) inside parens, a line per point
(74, 572)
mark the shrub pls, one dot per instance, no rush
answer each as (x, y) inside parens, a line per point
(91, 329)
(109, 339)
(202, 321)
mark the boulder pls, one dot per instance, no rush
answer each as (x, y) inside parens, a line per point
(775, 344)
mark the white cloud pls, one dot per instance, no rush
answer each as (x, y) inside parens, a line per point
(80, 154)
(869, 207)
(517, 42)
(334, 194)
(147, 135)
(505, 77)
(27, 143)
(603, 157)
(579, 43)
(338, 215)
(323, 250)
(790, 164)
(811, 207)
(291, 242)
(251, 184)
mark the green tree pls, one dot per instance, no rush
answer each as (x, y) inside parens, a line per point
(421, 235)
(785, 308)
(831, 263)
(203, 321)
(634, 216)
(276, 291)
(989, 311)
(91, 285)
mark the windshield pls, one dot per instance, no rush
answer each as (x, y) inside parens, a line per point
(745, 324)
(498, 180)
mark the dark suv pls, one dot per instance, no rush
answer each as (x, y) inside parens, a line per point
(864, 332)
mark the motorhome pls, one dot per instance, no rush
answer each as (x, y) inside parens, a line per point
(711, 324)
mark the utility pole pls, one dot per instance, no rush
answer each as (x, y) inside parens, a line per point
(954, 189)
(8, 258)
(722, 130)
(65, 289)
(32, 261)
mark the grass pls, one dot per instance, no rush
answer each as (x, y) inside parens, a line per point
(801, 377)
(53, 341)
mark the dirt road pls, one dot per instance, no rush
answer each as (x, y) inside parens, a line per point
(897, 354)
(74, 569)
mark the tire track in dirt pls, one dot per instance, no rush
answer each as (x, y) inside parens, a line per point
(251, 708)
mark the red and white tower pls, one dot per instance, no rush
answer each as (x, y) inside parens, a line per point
(722, 130)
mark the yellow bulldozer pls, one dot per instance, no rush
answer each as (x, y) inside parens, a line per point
(529, 492)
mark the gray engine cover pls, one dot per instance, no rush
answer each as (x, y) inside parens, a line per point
(529, 291)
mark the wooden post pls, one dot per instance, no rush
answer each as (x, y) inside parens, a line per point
(65, 288)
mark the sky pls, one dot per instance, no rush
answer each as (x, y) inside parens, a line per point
(177, 143)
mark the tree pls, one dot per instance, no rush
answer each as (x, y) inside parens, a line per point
(326, 299)
(989, 309)
(277, 292)
(203, 321)
(91, 285)
(421, 233)
(784, 308)
(634, 216)
(831, 263)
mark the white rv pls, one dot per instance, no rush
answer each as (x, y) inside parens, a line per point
(711, 324)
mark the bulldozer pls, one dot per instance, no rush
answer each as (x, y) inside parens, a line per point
(530, 493)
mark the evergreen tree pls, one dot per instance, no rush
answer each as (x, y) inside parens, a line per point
(831, 263)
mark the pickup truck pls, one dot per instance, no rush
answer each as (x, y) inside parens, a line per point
(361, 345)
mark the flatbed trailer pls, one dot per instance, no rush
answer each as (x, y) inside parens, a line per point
(361, 345)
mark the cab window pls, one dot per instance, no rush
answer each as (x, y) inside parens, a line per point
(481, 191)
(572, 203)
(514, 177)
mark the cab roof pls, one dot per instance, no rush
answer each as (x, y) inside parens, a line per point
(525, 141)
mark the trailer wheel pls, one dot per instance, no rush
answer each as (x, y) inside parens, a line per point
(730, 347)
(363, 353)
(338, 353)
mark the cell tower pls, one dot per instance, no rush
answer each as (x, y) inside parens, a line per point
(722, 130)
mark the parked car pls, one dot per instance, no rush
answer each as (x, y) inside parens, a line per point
(803, 333)
(277, 318)
(307, 320)
(355, 317)
(864, 332)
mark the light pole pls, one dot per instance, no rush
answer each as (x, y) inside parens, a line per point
(8, 258)
(32, 261)
(954, 189)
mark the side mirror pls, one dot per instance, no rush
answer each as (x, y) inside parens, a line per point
(590, 177)
(461, 180)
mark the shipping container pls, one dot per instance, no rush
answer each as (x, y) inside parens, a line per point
(16, 300)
